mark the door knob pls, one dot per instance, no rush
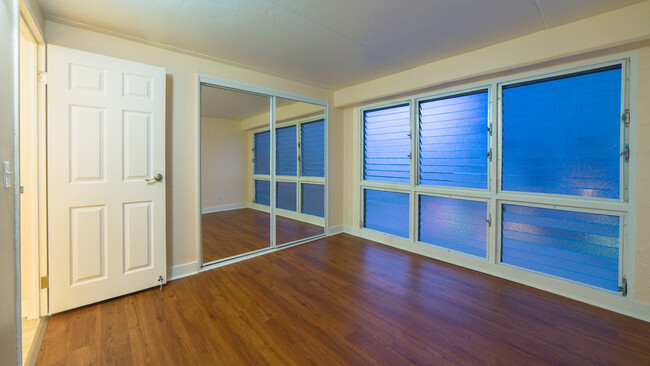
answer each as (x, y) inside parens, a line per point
(157, 177)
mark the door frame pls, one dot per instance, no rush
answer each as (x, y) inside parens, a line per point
(272, 94)
(38, 147)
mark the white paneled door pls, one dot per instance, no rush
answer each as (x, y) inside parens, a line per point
(106, 166)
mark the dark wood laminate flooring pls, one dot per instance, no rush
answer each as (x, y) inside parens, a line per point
(343, 301)
(229, 233)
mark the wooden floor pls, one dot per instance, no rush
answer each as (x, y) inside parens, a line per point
(229, 233)
(343, 301)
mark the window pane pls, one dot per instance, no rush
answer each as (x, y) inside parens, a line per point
(263, 192)
(387, 212)
(313, 199)
(562, 135)
(454, 141)
(454, 224)
(262, 151)
(286, 196)
(286, 159)
(387, 145)
(578, 246)
(312, 149)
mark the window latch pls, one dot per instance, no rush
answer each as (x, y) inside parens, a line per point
(626, 117)
(626, 152)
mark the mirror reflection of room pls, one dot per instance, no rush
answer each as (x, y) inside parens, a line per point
(236, 166)
(229, 227)
(300, 170)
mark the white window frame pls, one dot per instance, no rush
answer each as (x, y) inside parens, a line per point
(624, 207)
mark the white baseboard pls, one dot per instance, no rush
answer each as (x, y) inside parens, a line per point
(623, 305)
(333, 230)
(212, 209)
(182, 270)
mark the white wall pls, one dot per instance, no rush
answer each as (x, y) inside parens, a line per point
(181, 119)
(223, 164)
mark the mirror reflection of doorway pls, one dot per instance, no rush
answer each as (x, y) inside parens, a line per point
(248, 160)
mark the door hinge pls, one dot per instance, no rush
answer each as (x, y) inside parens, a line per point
(409, 155)
(623, 287)
(42, 77)
(489, 129)
(22, 189)
(489, 220)
(489, 155)
(45, 282)
(625, 118)
(626, 152)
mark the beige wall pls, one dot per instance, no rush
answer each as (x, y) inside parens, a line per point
(509, 58)
(181, 118)
(642, 257)
(223, 163)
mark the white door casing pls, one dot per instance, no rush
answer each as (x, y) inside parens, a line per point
(106, 137)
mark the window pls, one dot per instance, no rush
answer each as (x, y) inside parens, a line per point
(578, 246)
(454, 224)
(562, 135)
(387, 212)
(286, 152)
(286, 195)
(263, 192)
(558, 146)
(262, 153)
(312, 149)
(454, 141)
(299, 167)
(313, 199)
(386, 141)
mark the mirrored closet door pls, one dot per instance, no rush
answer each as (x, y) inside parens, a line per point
(259, 149)
(299, 170)
(229, 227)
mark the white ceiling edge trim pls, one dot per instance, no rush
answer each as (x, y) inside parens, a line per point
(181, 50)
(609, 30)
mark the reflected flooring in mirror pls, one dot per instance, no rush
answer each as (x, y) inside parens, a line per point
(235, 232)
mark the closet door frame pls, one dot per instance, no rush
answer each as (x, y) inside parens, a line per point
(207, 80)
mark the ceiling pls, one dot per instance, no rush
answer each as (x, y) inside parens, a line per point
(329, 43)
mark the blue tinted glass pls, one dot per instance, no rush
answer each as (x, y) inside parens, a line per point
(286, 195)
(262, 151)
(562, 135)
(263, 192)
(286, 158)
(312, 149)
(387, 212)
(454, 141)
(387, 145)
(454, 224)
(313, 199)
(582, 247)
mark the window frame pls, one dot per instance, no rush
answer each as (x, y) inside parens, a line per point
(625, 207)
(624, 130)
(621, 248)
